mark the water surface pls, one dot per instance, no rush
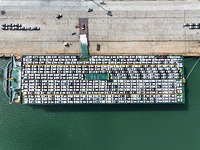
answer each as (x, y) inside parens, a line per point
(103, 127)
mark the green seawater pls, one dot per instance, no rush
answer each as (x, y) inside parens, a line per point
(103, 127)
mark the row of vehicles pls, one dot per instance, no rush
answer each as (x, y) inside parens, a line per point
(192, 25)
(17, 27)
(60, 82)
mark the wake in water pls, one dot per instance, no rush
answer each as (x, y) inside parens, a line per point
(193, 68)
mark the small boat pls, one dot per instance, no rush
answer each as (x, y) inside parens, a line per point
(184, 80)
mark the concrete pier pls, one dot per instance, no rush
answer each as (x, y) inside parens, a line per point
(139, 27)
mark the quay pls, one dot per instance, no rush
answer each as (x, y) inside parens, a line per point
(137, 28)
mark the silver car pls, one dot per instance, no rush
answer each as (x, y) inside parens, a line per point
(185, 24)
(102, 2)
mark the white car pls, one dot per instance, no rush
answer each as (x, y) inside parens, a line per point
(102, 2)
(59, 16)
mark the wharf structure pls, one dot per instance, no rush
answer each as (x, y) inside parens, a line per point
(137, 28)
(65, 79)
(99, 79)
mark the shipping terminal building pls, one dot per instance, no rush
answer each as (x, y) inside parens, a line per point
(89, 78)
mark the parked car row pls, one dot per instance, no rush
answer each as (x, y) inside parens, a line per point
(192, 25)
(11, 25)
(46, 83)
(119, 72)
(143, 67)
(71, 98)
(57, 91)
(118, 86)
(18, 27)
(59, 99)
(125, 91)
(101, 60)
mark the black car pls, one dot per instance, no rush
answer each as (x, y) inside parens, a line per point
(9, 25)
(35, 28)
(109, 13)
(67, 45)
(185, 24)
(191, 24)
(191, 27)
(4, 28)
(29, 28)
(12, 25)
(98, 47)
(90, 10)
(83, 26)
(4, 25)
(17, 25)
(23, 28)
(16, 28)
(12, 28)
(196, 24)
(59, 16)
